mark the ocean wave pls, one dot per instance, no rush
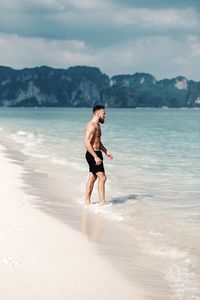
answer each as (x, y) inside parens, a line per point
(106, 210)
(156, 233)
(20, 132)
(167, 251)
(24, 137)
(36, 144)
(184, 280)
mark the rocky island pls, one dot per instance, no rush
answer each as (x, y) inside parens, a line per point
(82, 86)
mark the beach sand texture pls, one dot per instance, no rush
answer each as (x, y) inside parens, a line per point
(42, 258)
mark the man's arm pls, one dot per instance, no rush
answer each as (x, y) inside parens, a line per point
(103, 148)
(107, 153)
(89, 134)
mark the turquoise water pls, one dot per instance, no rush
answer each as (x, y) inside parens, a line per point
(153, 181)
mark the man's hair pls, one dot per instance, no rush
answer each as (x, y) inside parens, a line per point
(98, 107)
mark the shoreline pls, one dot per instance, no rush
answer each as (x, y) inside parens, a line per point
(45, 185)
(137, 233)
(41, 257)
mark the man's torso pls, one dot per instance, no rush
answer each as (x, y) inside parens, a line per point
(96, 139)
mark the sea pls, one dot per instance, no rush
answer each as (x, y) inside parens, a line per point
(153, 185)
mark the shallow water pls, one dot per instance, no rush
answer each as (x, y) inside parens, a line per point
(153, 181)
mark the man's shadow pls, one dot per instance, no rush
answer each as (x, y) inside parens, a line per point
(124, 198)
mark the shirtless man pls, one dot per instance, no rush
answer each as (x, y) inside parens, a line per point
(94, 155)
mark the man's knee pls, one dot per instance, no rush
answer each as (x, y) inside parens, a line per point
(102, 177)
(93, 178)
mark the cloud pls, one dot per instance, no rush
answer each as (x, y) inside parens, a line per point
(47, 6)
(194, 42)
(117, 36)
(157, 4)
(96, 22)
(160, 56)
(39, 51)
(160, 18)
(56, 19)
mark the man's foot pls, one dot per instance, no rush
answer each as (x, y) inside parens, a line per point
(87, 203)
(103, 202)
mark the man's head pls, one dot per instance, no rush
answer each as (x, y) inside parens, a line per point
(99, 111)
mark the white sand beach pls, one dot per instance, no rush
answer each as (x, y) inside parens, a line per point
(42, 258)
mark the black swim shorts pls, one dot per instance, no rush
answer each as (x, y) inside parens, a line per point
(92, 164)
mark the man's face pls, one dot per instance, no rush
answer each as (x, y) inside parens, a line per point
(102, 115)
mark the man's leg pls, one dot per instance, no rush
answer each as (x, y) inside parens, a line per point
(101, 186)
(89, 187)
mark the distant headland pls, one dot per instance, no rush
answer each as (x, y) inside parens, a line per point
(83, 86)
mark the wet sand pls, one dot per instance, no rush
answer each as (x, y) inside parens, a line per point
(42, 257)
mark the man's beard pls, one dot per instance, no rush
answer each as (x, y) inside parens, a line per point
(101, 121)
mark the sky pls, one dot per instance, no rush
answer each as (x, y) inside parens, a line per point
(118, 36)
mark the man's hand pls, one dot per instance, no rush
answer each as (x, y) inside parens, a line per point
(97, 160)
(109, 155)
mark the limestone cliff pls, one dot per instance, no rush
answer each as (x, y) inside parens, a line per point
(82, 86)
